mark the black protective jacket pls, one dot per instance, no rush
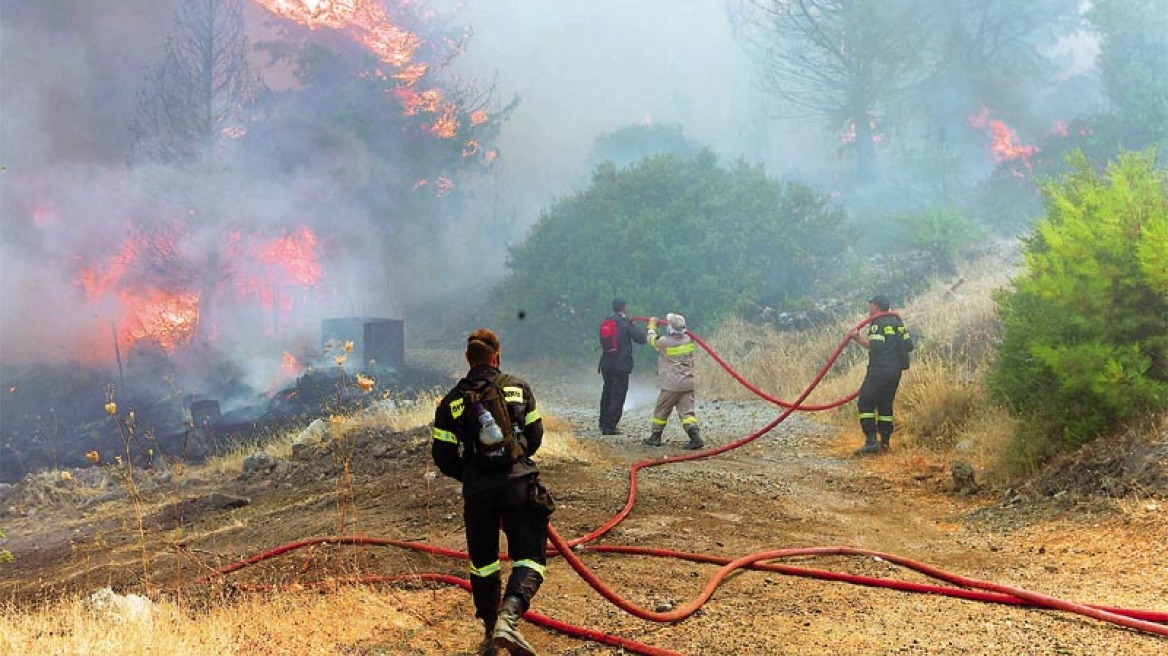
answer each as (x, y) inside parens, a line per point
(621, 361)
(455, 426)
(889, 344)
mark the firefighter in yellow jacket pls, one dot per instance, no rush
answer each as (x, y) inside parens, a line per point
(675, 380)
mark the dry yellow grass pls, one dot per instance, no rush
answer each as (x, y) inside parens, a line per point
(942, 407)
(279, 624)
(285, 624)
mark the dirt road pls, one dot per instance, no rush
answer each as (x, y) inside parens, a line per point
(797, 486)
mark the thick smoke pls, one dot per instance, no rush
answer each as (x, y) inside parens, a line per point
(72, 72)
(70, 204)
(584, 70)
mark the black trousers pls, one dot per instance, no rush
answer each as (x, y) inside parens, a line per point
(877, 393)
(507, 506)
(612, 399)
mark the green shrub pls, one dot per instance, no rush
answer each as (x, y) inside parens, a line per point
(1085, 328)
(942, 233)
(670, 234)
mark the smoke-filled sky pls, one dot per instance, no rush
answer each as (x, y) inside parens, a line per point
(585, 69)
(71, 72)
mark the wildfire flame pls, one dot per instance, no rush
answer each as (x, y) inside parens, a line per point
(169, 312)
(370, 24)
(296, 254)
(849, 134)
(170, 319)
(367, 22)
(1004, 143)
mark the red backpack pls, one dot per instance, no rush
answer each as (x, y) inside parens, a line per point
(608, 335)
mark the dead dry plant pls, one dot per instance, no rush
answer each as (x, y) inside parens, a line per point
(942, 406)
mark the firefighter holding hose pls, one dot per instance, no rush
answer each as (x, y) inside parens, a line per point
(675, 379)
(888, 344)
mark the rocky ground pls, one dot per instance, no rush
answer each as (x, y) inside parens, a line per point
(796, 486)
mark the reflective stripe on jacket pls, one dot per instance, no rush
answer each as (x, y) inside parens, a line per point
(888, 342)
(675, 361)
(453, 430)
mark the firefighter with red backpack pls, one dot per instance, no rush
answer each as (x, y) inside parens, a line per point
(617, 334)
(484, 433)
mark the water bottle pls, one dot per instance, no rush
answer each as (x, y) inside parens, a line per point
(490, 434)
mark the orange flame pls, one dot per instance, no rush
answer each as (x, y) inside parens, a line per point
(171, 320)
(289, 365)
(367, 22)
(446, 125)
(296, 254)
(849, 135)
(263, 269)
(1003, 141)
(370, 24)
(414, 102)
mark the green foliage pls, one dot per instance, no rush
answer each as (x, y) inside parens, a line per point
(636, 142)
(942, 233)
(1085, 329)
(670, 235)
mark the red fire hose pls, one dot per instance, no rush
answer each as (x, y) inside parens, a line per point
(1142, 620)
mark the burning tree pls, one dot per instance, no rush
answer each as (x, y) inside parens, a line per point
(376, 110)
(360, 159)
(910, 68)
(192, 111)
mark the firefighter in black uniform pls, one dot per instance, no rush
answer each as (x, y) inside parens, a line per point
(510, 496)
(616, 366)
(888, 343)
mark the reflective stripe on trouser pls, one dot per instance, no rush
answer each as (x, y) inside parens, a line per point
(877, 394)
(508, 505)
(667, 401)
(485, 590)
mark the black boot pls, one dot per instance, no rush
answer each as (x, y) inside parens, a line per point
(487, 646)
(506, 634)
(885, 438)
(871, 445)
(695, 438)
(654, 438)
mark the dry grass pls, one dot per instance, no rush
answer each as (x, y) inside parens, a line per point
(285, 624)
(387, 414)
(942, 408)
(560, 442)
